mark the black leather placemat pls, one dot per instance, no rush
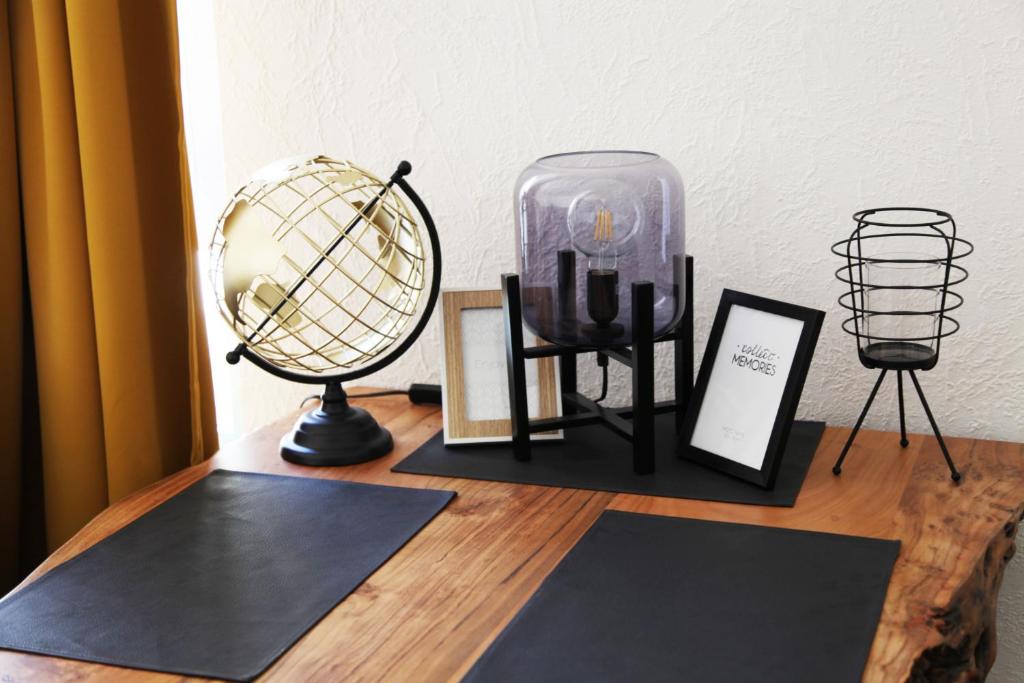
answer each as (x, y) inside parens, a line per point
(645, 598)
(595, 458)
(219, 580)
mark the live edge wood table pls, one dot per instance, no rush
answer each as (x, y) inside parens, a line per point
(429, 612)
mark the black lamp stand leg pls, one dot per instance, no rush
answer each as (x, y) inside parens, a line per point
(935, 428)
(643, 377)
(860, 420)
(512, 307)
(568, 323)
(684, 346)
(903, 420)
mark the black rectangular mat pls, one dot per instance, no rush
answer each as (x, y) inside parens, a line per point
(646, 598)
(219, 580)
(594, 458)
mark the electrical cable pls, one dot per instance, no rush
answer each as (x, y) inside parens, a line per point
(429, 394)
(372, 394)
(602, 361)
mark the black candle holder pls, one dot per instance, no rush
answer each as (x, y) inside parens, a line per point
(900, 269)
(635, 423)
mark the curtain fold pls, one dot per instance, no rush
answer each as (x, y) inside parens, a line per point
(94, 166)
(11, 312)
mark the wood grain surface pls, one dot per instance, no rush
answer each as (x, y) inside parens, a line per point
(432, 609)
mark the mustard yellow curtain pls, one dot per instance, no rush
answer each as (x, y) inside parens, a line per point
(100, 302)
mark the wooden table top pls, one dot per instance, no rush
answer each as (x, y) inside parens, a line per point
(433, 608)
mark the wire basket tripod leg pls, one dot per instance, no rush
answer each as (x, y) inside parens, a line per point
(838, 467)
(903, 420)
(935, 428)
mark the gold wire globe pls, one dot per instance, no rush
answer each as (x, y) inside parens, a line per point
(318, 266)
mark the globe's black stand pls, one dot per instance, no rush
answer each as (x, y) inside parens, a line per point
(335, 434)
(635, 423)
(899, 367)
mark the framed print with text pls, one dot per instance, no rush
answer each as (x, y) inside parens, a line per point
(749, 386)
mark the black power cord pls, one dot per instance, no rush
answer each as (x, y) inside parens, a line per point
(602, 362)
(420, 394)
(375, 394)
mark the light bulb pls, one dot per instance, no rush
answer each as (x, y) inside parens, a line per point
(603, 222)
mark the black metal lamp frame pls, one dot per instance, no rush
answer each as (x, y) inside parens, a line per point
(635, 423)
(871, 348)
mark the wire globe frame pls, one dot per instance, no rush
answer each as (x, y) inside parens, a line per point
(873, 229)
(263, 337)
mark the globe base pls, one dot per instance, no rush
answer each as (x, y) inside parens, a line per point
(335, 434)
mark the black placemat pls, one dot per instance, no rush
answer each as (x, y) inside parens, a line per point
(646, 598)
(219, 580)
(594, 458)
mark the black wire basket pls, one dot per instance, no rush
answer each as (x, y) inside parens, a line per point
(901, 268)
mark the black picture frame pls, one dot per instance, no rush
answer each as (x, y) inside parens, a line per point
(785, 411)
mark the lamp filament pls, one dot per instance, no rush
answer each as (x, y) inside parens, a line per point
(604, 235)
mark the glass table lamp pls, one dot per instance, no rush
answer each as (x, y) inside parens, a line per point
(589, 225)
(602, 269)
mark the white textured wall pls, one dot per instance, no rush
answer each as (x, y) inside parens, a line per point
(782, 117)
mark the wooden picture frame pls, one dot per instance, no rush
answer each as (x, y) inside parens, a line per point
(472, 398)
(749, 386)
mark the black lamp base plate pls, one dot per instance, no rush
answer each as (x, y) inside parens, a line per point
(332, 437)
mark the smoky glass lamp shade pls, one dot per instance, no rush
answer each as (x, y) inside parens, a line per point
(589, 225)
